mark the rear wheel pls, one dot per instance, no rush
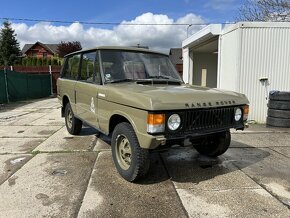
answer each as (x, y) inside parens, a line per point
(214, 145)
(73, 124)
(131, 161)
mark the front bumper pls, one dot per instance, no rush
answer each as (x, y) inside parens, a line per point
(148, 141)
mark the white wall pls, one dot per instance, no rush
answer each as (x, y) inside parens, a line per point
(206, 61)
(185, 57)
(265, 52)
(229, 61)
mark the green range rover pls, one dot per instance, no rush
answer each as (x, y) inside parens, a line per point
(137, 98)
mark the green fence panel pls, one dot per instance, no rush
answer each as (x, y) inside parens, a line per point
(17, 86)
(22, 86)
(3, 95)
(38, 86)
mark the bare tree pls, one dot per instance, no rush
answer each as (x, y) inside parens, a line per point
(265, 10)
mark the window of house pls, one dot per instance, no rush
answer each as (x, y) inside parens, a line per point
(45, 54)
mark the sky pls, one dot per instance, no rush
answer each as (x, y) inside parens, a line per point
(160, 38)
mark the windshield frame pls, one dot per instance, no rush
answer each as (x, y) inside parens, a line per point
(152, 78)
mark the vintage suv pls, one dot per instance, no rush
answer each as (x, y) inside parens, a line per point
(136, 96)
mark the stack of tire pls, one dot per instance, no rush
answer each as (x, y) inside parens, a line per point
(279, 109)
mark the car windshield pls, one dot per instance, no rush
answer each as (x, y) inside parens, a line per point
(121, 66)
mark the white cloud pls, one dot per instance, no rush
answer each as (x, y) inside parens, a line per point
(156, 37)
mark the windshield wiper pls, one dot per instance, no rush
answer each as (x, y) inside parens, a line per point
(120, 80)
(160, 77)
(164, 77)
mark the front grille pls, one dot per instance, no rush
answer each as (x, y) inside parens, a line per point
(215, 118)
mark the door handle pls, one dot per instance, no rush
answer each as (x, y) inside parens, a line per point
(101, 95)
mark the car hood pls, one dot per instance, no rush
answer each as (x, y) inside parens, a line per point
(171, 97)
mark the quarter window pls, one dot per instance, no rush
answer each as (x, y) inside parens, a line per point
(71, 68)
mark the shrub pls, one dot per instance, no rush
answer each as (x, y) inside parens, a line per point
(33, 61)
(44, 62)
(23, 61)
(54, 61)
(39, 62)
(29, 61)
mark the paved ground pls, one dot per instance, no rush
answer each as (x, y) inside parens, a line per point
(44, 171)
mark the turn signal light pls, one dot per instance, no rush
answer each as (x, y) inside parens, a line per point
(155, 123)
(246, 112)
(156, 119)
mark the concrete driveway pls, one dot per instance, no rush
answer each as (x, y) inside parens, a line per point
(45, 172)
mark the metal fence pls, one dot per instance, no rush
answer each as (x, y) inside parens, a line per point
(15, 86)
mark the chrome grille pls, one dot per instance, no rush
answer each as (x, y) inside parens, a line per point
(200, 119)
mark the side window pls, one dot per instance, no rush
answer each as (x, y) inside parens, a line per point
(74, 64)
(71, 67)
(98, 71)
(88, 66)
(65, 71)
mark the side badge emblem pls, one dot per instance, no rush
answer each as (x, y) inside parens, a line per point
(92, 108)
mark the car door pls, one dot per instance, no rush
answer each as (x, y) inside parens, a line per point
(87, 88)
(69, 77)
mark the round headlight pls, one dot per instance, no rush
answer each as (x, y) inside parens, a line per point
(173, 122)
(238, 114)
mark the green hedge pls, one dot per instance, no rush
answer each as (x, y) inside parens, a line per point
(34, 61)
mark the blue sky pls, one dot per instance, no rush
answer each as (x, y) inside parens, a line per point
(114, 11)
(133, 11)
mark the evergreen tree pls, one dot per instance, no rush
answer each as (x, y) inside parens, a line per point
(9, 47)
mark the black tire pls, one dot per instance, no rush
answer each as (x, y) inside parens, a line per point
(214, 145)
(279, 113)
(279, 96)
(73, 124)
(280, 105)
(138, 163)
(278, 122)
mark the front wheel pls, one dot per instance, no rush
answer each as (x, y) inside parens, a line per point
(131, 161)
(214, 145)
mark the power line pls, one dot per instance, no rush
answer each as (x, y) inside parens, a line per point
(105, 23)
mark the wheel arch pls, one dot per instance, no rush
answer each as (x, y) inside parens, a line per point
(117, 118)
(64, 102)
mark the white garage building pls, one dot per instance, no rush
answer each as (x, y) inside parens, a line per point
(248, 57)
